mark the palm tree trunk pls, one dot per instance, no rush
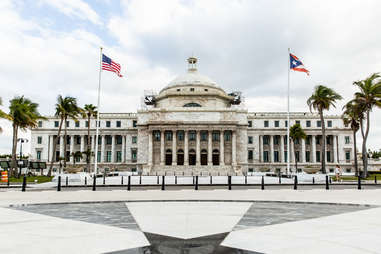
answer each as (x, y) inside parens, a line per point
(14, 149)
(355, 152)
(364, 151)
(88, 155)
(65, 142)
(296, 161)
(54, 148)
(323, 143)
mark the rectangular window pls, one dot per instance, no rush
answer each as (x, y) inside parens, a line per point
(38, 155)
(68, 139)
(297, 122)
(108, 156)
(134, 153)
(276, 156)
(215, 136)
(77, 123)
(266, 123)
(285, 123)
(78, 139)
(118, 156)
(318, 123)
(265, 156)
(296, 141)
(265, 140)
(276, 140)
(250, 155)
(204, 135)
(156, 135)
(56, 124)
(297, 157)
(87, 124)
(285, 156)
(250, 139)
(118, 124)
(134, 123)
(317, 156)
(180, 135)
(99, 156)
(168, 135)
(308, 123)
(134, 139)
(227, 135)
(347, 156)
(39, 124)
(285, 140)
(99, 140)
(329, 123)
(108, 140)
(250, 123)
(276, 123)
(318, 140)
(108, 124)
(308, 156)
(39, 140)
(67, 124)
(347, 139)
(308, 140)
(192, 136)
(119, 140)
(328, 156)
(328, 140)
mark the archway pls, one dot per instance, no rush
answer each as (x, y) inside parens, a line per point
(192, 157)
(180, 157)
(168, 157)
(204, 157)
(216, 157)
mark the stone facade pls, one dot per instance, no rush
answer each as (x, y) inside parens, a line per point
(193, 125)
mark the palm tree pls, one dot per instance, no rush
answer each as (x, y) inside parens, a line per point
(352, 115)
(322, 99)
(368, 97)
(24, 115)
(296, 133)
(3, 114)
(76, 155)
(89, 111)
(66, 107)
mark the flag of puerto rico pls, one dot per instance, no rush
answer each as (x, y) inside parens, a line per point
(110, 65)
(297, 65)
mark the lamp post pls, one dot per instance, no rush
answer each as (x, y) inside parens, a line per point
(21, 140)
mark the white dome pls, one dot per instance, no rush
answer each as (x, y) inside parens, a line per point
(192, 77)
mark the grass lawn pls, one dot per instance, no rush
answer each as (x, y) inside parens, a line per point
(40, 179)
(354, 178)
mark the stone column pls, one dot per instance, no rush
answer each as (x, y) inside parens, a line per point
(150, 148)
(334, 148)
(210, 161)
(303, 155)
(174, 147)
(61, 146)
(313, 143)
(123, 159)
(234, 146)
(71, 148)
(162, 147)
(198, 148)
(260, 148)
(113, 148)
(222, 149)
(186, 149)
(103, 148)
(281, 155)
(271, 154)
(51, 152)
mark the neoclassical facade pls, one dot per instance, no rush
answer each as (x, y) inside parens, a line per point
(193, 125)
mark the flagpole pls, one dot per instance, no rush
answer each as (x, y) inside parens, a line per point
(98, 109)
(288, 115)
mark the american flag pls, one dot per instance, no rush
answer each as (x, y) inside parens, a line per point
(110, 65)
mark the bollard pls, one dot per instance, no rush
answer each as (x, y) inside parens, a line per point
(375, 179)
(246, 178)
(8, 178)
(140, 179)
(104, 178)
(85, 180)
(280, 178)
(175, 179)
(326, 182)
(263, 183)
(59, 183)
(129, 183)
(67, 181)
(313, 180)
(94, 182)
(196, 185)
(359, 182)
(121, 180)
(157, 179)
(295, 182)
(23, 184)
(211, 180)
(163, 183)
(230, 182)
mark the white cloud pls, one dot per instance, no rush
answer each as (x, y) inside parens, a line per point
(75, 8)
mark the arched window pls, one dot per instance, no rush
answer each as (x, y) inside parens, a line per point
(192, 104)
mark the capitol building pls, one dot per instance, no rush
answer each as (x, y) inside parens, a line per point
(194, 126)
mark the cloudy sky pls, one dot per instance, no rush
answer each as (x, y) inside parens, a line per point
(51, 47)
